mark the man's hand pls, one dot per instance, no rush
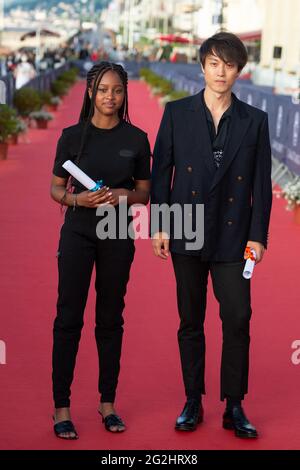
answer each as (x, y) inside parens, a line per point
(259, 250)
(160, 244)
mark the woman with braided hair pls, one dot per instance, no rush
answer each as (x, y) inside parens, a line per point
(106, 146)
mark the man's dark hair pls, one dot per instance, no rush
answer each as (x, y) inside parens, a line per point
(227, 46)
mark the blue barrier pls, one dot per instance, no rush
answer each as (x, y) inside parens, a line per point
(10, 87)
(284, 115)
(41, 82)
(293, 139)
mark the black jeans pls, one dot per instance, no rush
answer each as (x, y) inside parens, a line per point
(233, 294)
(79, 250)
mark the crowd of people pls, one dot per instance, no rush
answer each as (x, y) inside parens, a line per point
(51, 58)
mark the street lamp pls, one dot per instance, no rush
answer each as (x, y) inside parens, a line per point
(40, 17)
(192, 9)
(218, 18)
(128, 24)
(131, 25)
(1, 20)
(223, 5)
(82, 2)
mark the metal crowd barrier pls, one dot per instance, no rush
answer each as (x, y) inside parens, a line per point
(41, 82)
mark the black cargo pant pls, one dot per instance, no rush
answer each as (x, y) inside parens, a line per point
(232, 292)
(79, 250)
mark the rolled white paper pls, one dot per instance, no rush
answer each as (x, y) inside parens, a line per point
(79, 175)
(249, 266)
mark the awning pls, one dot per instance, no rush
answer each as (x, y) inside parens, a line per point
(43, 32)
(173, 38)
(249, 36)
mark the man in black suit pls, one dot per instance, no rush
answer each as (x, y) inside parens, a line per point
(213, 149)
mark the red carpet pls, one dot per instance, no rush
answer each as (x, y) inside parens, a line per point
(150, 393)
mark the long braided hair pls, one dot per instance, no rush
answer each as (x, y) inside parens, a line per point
(94, 77)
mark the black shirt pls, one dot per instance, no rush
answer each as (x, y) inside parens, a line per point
(118, 156)
(218, 139)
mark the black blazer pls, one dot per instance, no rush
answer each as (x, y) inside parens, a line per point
(237, 196)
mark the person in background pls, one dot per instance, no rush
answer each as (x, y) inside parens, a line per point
(24, 72)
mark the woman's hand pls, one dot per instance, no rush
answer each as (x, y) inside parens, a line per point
(92, 199)
(114, 196)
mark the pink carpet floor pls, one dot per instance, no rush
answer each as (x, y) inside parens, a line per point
(150, 393)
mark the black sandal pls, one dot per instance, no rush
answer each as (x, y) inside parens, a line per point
(112, 420)
(64, 427)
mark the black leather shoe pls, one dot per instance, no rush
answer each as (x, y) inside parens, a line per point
(191, 416)
(235, 419)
